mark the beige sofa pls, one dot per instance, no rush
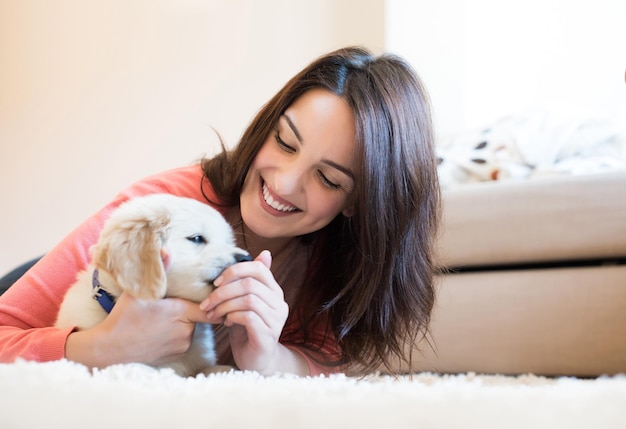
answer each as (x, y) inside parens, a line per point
(538, 279)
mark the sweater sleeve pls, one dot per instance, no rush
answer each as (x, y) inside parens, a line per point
(321, 346)
(28, 310)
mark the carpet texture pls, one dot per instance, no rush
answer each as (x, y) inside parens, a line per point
(67, 395)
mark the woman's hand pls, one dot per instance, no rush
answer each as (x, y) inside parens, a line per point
(151, 332)
(252, 304)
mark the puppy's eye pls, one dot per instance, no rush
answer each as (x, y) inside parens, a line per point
(197, 239)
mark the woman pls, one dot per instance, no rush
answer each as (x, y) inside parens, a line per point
(333, 185)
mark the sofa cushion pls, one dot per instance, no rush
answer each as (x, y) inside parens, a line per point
(550, 219)
(561, 321)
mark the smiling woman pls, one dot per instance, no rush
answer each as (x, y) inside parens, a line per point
(363, 123)
(333, 187)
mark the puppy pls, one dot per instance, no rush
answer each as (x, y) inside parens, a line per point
(154, 247)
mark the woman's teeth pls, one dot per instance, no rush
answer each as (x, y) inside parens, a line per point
(274, 204)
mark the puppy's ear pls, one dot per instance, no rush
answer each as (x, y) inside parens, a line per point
(129, 249)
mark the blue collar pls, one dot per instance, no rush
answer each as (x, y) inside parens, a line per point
(106, 300)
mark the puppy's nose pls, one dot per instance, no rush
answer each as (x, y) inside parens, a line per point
(242, 257)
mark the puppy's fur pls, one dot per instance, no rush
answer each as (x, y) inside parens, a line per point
(154, 247)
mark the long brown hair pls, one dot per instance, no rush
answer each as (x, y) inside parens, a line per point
(371, 274)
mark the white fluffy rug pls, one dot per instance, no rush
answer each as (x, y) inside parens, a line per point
(66, 395)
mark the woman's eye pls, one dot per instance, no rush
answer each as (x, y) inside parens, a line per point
(197, 239)
(284, 146)
(327, 182)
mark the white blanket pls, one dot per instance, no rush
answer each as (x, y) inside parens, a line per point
(66, 395)
(534, 144)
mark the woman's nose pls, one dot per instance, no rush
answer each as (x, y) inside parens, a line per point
(288, 179)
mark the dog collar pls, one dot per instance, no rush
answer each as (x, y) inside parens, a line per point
(104, 298)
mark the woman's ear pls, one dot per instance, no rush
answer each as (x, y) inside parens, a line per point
(348, 211)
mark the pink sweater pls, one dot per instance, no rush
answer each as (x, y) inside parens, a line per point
(29, 308)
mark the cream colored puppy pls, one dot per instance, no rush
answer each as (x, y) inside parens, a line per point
(154, 247)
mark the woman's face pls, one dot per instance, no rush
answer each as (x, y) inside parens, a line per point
(303, 175)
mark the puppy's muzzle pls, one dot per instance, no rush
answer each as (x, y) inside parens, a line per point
(243, 257)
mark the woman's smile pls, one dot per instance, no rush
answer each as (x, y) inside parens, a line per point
(274, 204)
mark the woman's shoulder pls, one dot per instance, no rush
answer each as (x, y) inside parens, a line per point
(186, 181)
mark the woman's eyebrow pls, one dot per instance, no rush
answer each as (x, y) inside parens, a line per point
(293, 128)
(328, 162)
(341, 168)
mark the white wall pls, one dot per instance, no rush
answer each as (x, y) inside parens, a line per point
(483, 59)
(97, 94)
